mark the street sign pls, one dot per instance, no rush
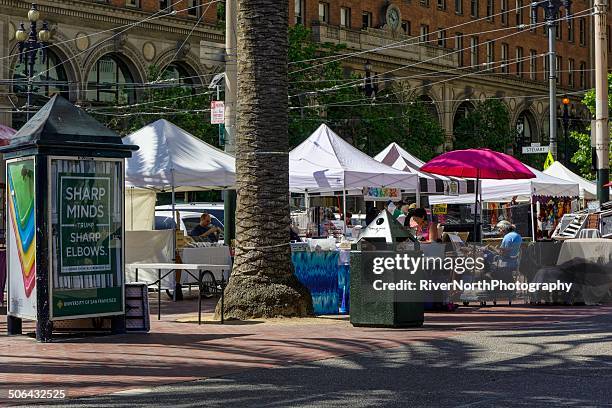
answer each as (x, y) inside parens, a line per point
(535, 149)
(217, 112)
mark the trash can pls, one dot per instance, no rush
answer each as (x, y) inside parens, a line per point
(383, 308)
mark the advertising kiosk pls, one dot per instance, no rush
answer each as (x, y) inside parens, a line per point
(65, 234)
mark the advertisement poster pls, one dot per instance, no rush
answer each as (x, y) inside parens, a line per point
(21, 239)
(86, 237)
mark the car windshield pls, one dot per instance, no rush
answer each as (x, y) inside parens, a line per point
(163, 223)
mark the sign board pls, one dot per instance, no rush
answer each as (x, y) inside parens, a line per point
(381, 193)
(21, 238)
(535, 149)
(217, 112)
(87, 236)
(440, 209)
(451, 187)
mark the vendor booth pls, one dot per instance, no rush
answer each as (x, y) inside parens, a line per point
(543, 195)
(325, 164)
(170, 160)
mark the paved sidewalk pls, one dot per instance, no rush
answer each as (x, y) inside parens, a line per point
(565, 364)
(182, 352)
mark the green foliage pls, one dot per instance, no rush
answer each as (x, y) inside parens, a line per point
(589, 97)
(183, 105)
(322, 92)
(319, 93)
(488, 125)
(582, 156)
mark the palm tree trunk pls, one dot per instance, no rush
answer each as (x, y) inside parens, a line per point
(263, 283)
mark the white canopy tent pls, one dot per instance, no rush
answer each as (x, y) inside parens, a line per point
(395, 156)
(325, 163)
(171, 158)
(588, 189)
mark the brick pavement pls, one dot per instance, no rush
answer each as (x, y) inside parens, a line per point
(179, 352)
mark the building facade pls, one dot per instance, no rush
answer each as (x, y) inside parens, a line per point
(457, 52)
(453, 52)
(101, 52)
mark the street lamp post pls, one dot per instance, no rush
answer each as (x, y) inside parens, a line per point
(551, 11)
(566, 118)
(29, 44)
(370, 89)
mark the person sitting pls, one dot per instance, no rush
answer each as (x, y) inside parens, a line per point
(510, 246)
(418, 221)
(294, 235)
(347, 220)
(205, 231)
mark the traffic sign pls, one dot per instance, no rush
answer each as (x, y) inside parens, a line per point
(535, 149)
(217, 112)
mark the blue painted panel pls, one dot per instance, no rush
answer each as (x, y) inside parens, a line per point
(318, 271)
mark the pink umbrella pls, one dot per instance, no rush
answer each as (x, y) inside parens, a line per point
(478, 164)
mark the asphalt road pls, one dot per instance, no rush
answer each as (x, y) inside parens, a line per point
(558, 365)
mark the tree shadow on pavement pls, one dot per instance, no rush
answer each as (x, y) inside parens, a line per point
(566, 364)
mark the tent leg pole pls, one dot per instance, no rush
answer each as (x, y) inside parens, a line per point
(476, 210)
(533, 222)
(177, 221)
(307, 208)
(344, 212)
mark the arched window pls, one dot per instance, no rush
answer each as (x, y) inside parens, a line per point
(430, 106)
(526, 132)
(110, 81)
(462, 112)
(178, 73)
(50, 79)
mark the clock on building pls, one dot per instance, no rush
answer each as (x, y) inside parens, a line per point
(393, 17)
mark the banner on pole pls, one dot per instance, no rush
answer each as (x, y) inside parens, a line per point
(217, 112)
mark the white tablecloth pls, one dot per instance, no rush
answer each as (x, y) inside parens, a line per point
(598, 250)
(209, 255)
(148, 247)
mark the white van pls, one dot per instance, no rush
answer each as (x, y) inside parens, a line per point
(190, 215)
